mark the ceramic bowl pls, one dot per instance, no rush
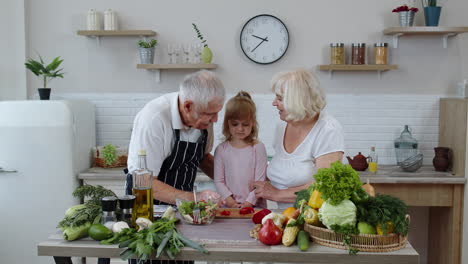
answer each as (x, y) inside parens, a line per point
(412, 163)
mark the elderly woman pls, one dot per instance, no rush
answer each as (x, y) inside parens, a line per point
(306, 139)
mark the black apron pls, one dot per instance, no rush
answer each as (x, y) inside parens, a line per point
(178, 170)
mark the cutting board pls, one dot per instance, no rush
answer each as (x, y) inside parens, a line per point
(234, 213)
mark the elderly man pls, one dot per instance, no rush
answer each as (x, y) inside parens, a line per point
(176, 132)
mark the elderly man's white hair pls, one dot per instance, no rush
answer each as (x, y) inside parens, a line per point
(201, 87)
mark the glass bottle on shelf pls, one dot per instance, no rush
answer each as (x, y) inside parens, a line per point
(142, 189)
(381, 53)
(337, 53)
(358, 53)
(373, 161)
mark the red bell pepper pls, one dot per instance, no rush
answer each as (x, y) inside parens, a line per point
(226, 213)
(258, 216)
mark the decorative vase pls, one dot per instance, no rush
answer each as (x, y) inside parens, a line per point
(110, 20)
(44, 93)
(432, 15)
(442, 159)
(206, 55)
(406, 18)
(93, 21)
(147, 55)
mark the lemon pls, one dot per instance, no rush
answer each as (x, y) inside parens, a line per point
(99, 232)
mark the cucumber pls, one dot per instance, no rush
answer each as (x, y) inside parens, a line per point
(303, 240)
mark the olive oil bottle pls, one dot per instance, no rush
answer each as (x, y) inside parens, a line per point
(142, 189)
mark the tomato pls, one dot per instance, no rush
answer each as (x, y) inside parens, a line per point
(246, 210)
(226, 213)
(270, 234)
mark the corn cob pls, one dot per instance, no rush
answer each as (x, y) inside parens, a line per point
(290, 233)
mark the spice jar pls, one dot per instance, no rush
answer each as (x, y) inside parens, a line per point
(380, 53)
(358, 53)
(337, 53)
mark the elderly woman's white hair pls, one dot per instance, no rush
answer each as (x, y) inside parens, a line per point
(302, 96)
(201, 87)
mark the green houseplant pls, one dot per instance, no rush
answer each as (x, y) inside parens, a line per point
(46, 72)
(146, 49)
(206, 54)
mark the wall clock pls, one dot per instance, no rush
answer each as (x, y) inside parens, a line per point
(264, 39)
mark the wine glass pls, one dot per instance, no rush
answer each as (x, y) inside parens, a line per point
(171, 52)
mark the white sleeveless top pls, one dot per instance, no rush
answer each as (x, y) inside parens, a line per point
(297, 168)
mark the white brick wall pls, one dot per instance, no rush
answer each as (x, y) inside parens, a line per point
(374, 120)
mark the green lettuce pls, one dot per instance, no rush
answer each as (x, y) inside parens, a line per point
(342, 214)
(337, 183)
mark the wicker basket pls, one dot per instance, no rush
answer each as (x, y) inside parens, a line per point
(362, 242)
(121, 160)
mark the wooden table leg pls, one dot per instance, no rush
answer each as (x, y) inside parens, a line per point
(63, 260)
(445, 230)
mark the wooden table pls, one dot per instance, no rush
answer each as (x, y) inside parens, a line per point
(228, 240)
(441, 192)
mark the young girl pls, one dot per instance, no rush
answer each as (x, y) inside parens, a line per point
(241, 159)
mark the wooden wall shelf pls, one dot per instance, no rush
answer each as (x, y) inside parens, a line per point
(365, 67)
(444, 32)
(158, 67)
(349, 67)
(176, 66)
(116, 33)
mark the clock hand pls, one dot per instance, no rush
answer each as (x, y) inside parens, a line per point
(266, 39)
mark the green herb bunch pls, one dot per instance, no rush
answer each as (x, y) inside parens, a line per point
(147, 44)
(81, 216)
(337, 183)
(382, 209)
(48, 72)
(199, 35)
(109, 153)
(347, 231)
(161, 237)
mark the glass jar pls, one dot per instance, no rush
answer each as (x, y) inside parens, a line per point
(337, 53)
(381, 53)
(358, 53)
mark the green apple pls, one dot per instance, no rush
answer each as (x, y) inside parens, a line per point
(365, 228)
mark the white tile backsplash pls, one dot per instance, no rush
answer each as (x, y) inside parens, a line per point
(373, 120)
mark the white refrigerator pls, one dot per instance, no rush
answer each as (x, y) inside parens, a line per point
(43, 147)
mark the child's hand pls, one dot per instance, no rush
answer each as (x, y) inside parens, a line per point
(230, 202)
(247, 204)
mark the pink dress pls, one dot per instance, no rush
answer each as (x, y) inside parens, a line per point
(236, 169)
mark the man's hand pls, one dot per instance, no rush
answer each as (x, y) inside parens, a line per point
(209, 195)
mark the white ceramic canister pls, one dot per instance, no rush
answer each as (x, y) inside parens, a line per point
(93, 21)
(110, 20)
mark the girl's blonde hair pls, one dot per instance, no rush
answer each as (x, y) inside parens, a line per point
(241, 107)
(302, 96)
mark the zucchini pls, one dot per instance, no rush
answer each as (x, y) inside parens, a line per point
(303, 240)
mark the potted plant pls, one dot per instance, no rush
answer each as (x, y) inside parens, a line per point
(431, 12)
(206, 54)
(47, 72)
(147, 50)
(406, 15)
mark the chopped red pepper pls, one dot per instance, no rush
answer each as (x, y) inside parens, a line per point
(258, 216)
(226, 213)
(246, 210)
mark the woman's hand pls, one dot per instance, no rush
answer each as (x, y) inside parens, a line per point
(247, 204)
(264, 189)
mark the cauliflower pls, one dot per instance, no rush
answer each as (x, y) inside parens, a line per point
(341, 214)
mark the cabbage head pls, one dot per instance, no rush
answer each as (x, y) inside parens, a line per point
(341, 214)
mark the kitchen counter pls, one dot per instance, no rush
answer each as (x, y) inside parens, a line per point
(228, 240)
(440, 191)
(386, 174)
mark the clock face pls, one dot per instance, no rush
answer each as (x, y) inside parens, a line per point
(264, 39)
